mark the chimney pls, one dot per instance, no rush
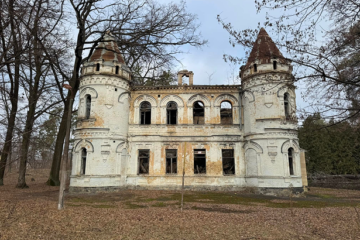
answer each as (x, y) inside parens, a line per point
(186, 73)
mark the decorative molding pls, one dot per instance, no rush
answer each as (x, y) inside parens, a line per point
(147, 98)
(198, 97)
(253, 145)
(170, 98)
(88, 90)
(84, 144)
(226, 97)
(123, 96)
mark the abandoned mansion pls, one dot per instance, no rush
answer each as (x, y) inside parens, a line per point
(220, 137)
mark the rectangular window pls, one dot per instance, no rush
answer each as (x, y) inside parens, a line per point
(199, 161)
(228, 161)
(171, 161)
(144, 161)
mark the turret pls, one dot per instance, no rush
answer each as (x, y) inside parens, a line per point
(271, 149)
(103, 115)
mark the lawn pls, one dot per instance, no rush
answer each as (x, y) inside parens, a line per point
(133, 214)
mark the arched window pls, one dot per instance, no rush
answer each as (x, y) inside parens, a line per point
(226, 113)
(286, 106)
(83, 161)
(88, 106)
(255, 67)
(117, 70)
(275, 65)
(145, 113)
(98, 67)
(291, 162)
(198, 113)
(171, 113)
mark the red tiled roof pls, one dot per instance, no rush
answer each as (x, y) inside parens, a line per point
(107, 50)
(264, 50)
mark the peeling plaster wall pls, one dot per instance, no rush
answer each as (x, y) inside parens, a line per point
(113, 134)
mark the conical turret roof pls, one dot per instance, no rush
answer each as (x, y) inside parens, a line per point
(264, 50)
(107, 50)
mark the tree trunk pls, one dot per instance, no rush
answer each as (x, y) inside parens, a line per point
(56, 162)
(14, 91)
(8, 139)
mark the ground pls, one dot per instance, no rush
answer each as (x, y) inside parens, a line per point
(133, 214)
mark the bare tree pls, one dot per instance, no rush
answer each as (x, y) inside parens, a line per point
(149, 35)
(319, 37)
(12, 46)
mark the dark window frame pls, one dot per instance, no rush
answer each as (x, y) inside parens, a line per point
(87, 106)
(98, 67)
(287, 106)
(222, 115)
(275, 65)
(255, 67)
(145, 113)
(291, 161)
(117, 70)
(197, 109)
(231, 158)
(171, 160)
(83, 161)
(141, 158)
(199, 157)
(170, 112)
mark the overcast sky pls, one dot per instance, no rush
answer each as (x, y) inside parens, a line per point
(208, 60)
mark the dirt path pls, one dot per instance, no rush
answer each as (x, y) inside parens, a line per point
(32, 214)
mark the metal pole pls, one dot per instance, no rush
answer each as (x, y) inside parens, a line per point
(65, 157)
(183, 179)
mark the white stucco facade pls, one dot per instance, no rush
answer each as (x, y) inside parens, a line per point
(120, 145)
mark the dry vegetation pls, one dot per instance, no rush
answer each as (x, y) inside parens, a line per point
(32, 214)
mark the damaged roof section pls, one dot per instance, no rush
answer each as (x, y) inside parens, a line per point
(264, 50)
(107, 50)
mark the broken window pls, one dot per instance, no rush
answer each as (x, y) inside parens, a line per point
(171, 161)
(275, 65)
(145, 113)
(255, 67)
(286, 106)
(117, 70)
(144, 161)
(98, 67)
(291, 164)
(83, 161)
(226, 113)
(228, 161)
(88, 106)
(198, 113)
(199, 161)
(171, 110)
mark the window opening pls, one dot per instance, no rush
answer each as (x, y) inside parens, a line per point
(145, 113)
(228, 161)
(255, 67)
(199, 161)
(198, 113)
(88, 106)
(171, 161)
(144, 161)
(286, 106)
(98, 67)
(291, 164)
(226, 113)
(117, 70)
(171, 110)
(83, 161)
(275, 65)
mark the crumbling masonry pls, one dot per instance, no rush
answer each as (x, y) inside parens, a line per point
(225, 137)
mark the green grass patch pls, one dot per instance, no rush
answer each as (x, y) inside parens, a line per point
(159, 204)
(130, 205)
